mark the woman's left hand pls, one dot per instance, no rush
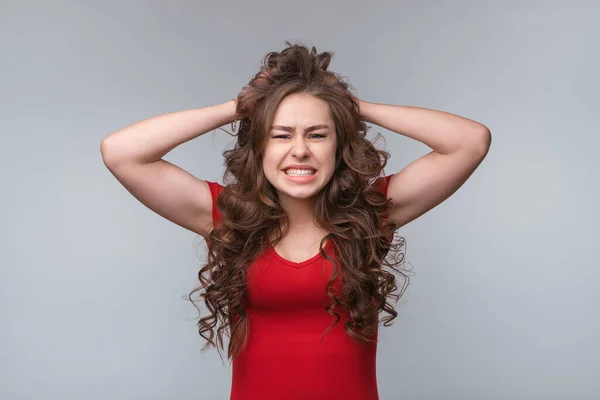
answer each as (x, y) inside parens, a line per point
(361, 106)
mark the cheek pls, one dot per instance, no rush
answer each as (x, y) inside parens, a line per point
(270, 167)
(328, 156)
(268, 161)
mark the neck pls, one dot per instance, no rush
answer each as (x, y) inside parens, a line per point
(301, 212)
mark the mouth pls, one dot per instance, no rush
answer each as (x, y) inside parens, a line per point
(299, 172)
(300, 177)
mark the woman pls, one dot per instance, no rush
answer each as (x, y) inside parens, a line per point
(298, 237)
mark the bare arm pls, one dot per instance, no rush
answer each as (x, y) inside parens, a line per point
(459, 146)
(134, 156)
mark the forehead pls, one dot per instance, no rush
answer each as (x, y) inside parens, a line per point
(301, 109)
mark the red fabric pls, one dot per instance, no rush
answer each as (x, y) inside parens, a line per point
(284, 358)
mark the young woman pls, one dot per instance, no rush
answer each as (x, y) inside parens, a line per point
(298, 237)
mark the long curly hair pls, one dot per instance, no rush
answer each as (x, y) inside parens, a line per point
(349, 208)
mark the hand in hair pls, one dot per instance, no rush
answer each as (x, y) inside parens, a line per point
(258, 86)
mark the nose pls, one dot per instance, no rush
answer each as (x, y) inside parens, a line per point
(299, 148)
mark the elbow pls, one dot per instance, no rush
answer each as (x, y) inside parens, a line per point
(486, 139)
(107, 150)
(481, 141)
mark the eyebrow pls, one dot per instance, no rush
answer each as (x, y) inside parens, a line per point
(293, 129)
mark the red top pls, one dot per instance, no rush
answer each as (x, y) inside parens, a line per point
(284, 357)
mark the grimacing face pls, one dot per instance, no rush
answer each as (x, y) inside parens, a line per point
(302, 134)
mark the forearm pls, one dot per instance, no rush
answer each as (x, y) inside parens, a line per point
(149, 140)
(443, 132)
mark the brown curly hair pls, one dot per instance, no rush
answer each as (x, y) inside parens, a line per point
(350, 208)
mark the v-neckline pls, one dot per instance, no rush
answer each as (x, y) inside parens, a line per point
(294, 263)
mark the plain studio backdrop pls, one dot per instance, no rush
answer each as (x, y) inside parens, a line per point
(503, 302)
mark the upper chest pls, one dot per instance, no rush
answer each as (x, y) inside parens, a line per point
(299, 283)
(298, 248)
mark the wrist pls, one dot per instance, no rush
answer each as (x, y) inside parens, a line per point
(364, 110)
(232, 107)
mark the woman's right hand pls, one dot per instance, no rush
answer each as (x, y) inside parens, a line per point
(255, 90)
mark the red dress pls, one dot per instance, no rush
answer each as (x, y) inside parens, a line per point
(284, 358)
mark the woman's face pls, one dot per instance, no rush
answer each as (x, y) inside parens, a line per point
(303, 134)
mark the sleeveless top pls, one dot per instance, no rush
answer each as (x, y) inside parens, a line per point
(284, 357)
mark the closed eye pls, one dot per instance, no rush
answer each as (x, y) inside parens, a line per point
(287, 136)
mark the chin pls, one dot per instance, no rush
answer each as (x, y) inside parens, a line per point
(304, 195)
(300, 192)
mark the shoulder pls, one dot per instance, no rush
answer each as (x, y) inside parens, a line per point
(382, 183)
(215, 187)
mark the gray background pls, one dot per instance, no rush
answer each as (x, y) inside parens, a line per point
(504, 300)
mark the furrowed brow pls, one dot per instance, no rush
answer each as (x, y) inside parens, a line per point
(293, 129)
